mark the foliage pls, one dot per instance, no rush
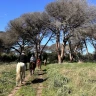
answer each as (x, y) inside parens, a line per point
(8, 57)
(44, 55)
(87, 57)
(52, 57)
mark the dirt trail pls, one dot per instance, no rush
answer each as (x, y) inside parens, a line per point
(39, 81)
(17, 88)
(40, 87)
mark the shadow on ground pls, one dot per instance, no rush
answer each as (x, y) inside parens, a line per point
(38, 80)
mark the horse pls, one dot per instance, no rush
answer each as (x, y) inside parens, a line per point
(39, 63)
(20, 72)
(45, 61)
(32, 67)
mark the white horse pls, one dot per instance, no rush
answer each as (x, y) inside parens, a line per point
(20, 72)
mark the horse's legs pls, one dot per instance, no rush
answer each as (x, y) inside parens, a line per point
(45, 62)
(23, 74)
(33, 68)
(30, 71)
(26, 66)
(40, 65)
(17, 79)
(33, 71)
(21, 77)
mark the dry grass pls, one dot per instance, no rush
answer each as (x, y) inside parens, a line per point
(7, 78)
(68, 79)
(82, 79)
(7, 66)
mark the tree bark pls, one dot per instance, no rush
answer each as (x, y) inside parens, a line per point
(58, 47)
(70, 53)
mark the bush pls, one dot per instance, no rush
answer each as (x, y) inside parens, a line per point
(7, 57)
(52, 58)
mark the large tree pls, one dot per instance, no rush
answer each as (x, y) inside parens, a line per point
(30, 29)
(17, 34)
(71, 14)
(36, 26)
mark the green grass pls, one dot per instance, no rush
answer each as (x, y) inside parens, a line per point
(26, 91)
(8, 81)
(7, 78)
(70, 79)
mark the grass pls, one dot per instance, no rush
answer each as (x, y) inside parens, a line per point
(7, 78)
(70, 79)
(26, 91)
(30, 88)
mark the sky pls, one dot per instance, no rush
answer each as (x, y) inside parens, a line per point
(93, 2)
(11, 9)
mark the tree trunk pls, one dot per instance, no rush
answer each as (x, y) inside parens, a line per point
(70, 54)
(58, 47)
(36, 50)
(64, 42)
(62, 52)
(59, 58)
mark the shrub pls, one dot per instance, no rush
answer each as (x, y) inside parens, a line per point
(7, 57)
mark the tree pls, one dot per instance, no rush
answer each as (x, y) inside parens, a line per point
(16, 32)
(72, 15)
(30, 29)
(36, 26)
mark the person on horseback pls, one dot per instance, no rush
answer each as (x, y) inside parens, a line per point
(23, 58)
(39, 60)
(32, 64)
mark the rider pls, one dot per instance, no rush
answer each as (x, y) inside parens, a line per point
(23, 58)
(39, 60)
(32, 65)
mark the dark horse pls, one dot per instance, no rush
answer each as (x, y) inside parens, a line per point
(32, 67)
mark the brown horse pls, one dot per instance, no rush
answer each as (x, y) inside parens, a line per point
(32, 67)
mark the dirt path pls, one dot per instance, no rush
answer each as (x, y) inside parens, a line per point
(40, 87)
(39, 82)
(17, 88)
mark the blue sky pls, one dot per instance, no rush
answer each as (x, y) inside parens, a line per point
(11, 9)
(93, 2)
